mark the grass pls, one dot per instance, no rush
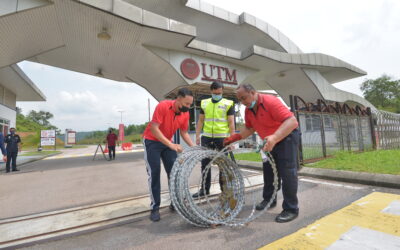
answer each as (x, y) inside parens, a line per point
(248, 157)
(379, 161)
(38, 153)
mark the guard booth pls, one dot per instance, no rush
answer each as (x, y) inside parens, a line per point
(202, 91)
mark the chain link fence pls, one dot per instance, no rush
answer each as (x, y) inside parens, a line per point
(324, 134)
(328, 128)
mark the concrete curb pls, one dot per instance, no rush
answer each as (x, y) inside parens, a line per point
(36, 159)
(380, 180)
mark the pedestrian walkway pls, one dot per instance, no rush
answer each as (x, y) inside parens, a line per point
(372, 222)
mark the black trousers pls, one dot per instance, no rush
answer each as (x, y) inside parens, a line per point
(11, 156)
(154, 151)
(111, 152)
(211, 143)
(285, 156)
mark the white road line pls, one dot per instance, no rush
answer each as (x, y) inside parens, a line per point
(250, 171)
(330, 184)
(80, 155)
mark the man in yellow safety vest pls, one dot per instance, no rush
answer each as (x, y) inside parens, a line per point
(217, 121)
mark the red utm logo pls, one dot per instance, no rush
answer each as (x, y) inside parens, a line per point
(191, 70)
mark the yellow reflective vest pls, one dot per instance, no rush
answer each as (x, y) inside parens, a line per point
(216, 117)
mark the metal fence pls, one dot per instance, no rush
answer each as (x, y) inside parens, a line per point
(387, 130)
(327, 128)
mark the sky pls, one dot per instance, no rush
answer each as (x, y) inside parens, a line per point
(363, 33)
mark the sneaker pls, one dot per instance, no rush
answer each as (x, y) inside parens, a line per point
(286, 216)
(171, 207)
(200, 194)
(264, 203)
(15, 170)
(155, 215)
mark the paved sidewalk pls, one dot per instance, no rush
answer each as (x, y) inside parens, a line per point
(381, 180)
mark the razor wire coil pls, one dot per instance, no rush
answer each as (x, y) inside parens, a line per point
(226, 208)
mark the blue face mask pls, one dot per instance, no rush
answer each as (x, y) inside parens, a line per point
(253, 103)
(216, 97)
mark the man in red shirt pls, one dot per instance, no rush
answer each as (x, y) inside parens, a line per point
(112, 138)
(168, 117)
(266, 115)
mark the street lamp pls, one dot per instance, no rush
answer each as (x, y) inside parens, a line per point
(121, 111)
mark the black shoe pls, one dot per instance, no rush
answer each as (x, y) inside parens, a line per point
(155, 215)
(286, 216)
(15, 170)
(200, 194)
(171, 207)
(7, 171)
(263, 204)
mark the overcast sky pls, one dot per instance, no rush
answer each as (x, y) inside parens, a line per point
(363, 33)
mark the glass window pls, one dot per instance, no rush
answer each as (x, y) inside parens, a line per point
(308, 123)
(316, 122)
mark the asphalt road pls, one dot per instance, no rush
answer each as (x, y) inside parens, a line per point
(317, 199)
(54, 184)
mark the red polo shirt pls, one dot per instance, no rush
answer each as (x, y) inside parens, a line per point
(271, 113)
(164, 114)
(111, 139)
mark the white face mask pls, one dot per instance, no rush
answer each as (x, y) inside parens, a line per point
(216, 97)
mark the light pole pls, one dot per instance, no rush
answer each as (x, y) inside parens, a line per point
(121, 111)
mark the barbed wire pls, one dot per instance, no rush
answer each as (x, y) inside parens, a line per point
(227, 208)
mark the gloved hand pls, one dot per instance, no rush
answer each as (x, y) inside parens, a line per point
(231, 139)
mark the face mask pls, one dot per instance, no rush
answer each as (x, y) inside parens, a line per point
(12, 132)
(253, 103)
(216, 97)
(184, 109)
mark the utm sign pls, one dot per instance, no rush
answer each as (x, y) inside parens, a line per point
(209, 72)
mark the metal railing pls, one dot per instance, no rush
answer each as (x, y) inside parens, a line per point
(387, 130)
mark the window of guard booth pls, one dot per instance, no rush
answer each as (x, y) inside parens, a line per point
(4, 124)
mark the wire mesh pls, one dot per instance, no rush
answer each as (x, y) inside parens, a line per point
(229, 207)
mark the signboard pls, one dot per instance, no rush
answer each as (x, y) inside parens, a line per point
(48, 133)
(209, 72)
(47, 137)
(71, 137)
(47, 141)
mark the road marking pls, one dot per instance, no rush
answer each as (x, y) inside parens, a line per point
(366, 213)
(331, 184)
(82, 155)
(393, 208)
(250, 171)
(364, 238)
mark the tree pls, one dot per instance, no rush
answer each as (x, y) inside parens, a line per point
(41, 117)
(18, 110)
(383, 92)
